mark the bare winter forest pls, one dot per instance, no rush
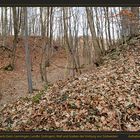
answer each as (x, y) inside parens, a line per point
(69, 68)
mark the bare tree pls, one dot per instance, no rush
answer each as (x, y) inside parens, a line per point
(108, 26)
(97, 50)
(125, 23)
(69, 40)
(134, 29)
(44, 46)
(10, 22)
(27, 52)
(17, 24)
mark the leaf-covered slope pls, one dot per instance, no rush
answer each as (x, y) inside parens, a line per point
(107, 99)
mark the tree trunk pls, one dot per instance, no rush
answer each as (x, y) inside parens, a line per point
(15, 21)
(93, 33)
(27, 52)
(134, 28)
(125, 22)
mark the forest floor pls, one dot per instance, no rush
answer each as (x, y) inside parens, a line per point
(104, 99)
(13, 84)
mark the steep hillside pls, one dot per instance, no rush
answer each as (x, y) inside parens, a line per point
(107, 98)
(13, 84)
